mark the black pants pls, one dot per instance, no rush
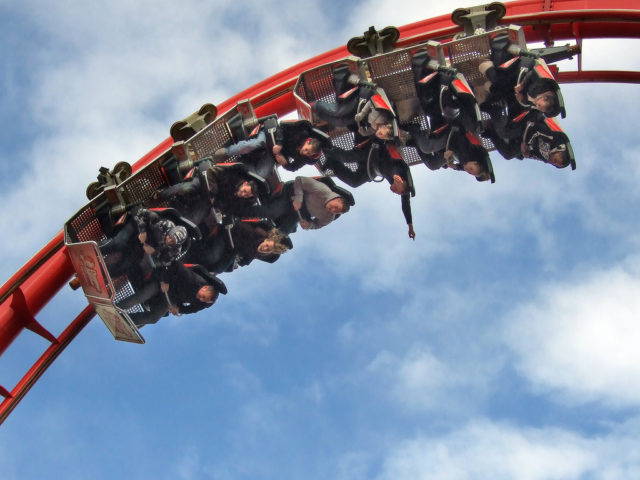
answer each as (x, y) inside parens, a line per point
(337, 160)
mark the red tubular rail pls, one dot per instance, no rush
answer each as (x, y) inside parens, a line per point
(46, 359)
(26, 292)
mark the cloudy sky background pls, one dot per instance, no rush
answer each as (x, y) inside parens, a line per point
(502, 343)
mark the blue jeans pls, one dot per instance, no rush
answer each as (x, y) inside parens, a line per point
(247, 146)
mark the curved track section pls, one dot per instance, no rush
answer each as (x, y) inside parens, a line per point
(547, 21)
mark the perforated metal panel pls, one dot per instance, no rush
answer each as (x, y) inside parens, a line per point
(83, 227)
(217, 134)
(392, 72)
(124, 289)
(467, 53)
(142, 184)
(410, 155)
(486, 143)
(317, 84)
(207, 141)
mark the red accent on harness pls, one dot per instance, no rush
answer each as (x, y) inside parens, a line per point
(255, 130)
(520, 117)
(428, 78)
(277, 190)
(378, 102)
(508, 63)
(543, 72)
(441, 129)
(393, 151)
(473, 139)
(190, 173)
(214, 230)
(348, 92)
(553, 125)
(363, 143)
(460, 86)
(121, 219)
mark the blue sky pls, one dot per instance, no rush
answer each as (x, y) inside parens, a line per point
(501, 344)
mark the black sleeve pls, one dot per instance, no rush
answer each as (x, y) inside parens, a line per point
(164, 273)
(185, 188)
(406, 208)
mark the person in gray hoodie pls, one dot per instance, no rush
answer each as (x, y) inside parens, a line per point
(317, 205)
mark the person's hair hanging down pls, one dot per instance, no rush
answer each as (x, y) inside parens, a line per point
(277, 237)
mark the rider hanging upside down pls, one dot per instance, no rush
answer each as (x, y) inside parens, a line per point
(452, 147)
(532, 135)
(363, 108)
(292, 145)
(519, 77)
(373, 161)
(444, 94)
(296, 144)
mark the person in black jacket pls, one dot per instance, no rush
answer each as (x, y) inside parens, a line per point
(372, 160)
(227, 187)
(187, 292)
(296, 145)
(157, 236)
(293, 145)
(519, 78)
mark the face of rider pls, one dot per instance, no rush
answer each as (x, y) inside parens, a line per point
(399, 186)
(267, 246)
(545, 101)
(473, 168)
(335, 206)
(245, 190)
(558, 159)
(205, 294)
(384, 132)
(307, 150)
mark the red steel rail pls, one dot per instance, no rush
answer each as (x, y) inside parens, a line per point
(548, 21)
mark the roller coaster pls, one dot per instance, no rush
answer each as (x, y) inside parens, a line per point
(457, 41)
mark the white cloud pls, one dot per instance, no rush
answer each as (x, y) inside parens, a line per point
(580, 338)
(417, 380)
(483, 449)
(378, 14)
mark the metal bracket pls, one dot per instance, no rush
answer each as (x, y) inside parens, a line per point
(479, 19)
(373, 42)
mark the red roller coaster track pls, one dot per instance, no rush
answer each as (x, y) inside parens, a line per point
(39, 280)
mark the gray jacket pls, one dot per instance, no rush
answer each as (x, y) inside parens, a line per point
(314, 195)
